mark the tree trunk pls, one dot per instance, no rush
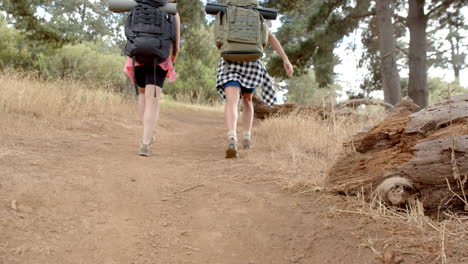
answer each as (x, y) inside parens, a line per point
(389, 70)
(455, 56)
(456, 70)
(409, 155)
(417, 24)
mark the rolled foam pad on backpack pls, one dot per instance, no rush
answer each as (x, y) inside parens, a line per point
(120, 6)
(267, 13)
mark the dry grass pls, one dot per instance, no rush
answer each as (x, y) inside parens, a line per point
(35, 106)
(25, 99)
(304, 147)
(412, 233)
(24, 94)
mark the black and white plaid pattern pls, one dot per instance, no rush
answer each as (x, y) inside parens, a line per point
(249, 74)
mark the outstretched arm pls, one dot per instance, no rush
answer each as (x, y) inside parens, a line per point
(279, 49)
(175, 51)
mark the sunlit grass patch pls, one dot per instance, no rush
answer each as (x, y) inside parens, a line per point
(27, 95)
(168, 103)
(304, 147)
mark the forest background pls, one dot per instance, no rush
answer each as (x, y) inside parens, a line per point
(339, 48)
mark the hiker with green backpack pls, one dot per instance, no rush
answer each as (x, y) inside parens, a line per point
(241, 34)
(153, 39)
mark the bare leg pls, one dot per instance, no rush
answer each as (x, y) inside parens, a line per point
(247, 112)
(247, 119)
(231, 107)
(141, 107)
(151, 114)
(230, 118)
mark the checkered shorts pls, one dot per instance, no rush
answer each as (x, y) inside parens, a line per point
(249, 74)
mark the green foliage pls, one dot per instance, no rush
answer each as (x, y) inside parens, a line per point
(196, 65)
(312, 30)
(194, 88)
(96, 62)
(447, 51)
(87, 61)
(198, 58)
(14, 51)
(63, 21)
(79, 40)
(24, 18)
(305, 90)
(192, 13)
(438, 89)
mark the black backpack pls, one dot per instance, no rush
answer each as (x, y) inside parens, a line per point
(150, 32)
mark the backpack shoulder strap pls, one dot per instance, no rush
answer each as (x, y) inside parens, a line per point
(128, 26)
(172, 21)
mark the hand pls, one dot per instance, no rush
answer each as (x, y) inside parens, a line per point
(174, 58)
(174, 55)
(288, 68)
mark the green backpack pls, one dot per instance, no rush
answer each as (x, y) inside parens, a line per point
(241, 32)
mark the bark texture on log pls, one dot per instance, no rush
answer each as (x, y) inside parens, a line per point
(421, 149)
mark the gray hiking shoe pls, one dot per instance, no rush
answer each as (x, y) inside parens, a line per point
(145, 149)
(231, 152)
(247, 142)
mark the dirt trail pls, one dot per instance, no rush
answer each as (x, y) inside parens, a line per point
(82, 195)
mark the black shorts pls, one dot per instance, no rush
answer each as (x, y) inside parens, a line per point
(145, 75)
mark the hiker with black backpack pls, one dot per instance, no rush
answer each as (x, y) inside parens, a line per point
(153, 39)
(241, 34)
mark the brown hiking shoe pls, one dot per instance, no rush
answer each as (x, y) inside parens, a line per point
(231, 152)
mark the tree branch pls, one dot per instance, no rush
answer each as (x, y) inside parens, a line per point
(388, 54)
(402, 50)
(444, 4)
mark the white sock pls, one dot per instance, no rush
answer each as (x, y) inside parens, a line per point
(232, 135)
(247, 135)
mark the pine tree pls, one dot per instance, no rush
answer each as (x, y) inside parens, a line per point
(333, 20)
(63, 21)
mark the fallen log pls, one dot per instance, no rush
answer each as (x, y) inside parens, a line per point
(358, 102)
(410, 155)
(262, 110)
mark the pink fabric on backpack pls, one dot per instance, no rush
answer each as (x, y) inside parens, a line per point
(167, 66)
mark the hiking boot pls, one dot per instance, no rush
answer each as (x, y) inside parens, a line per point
(145, 149)
(247, 142)
(231, 152)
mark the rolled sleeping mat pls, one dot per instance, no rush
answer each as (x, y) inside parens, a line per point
(170, 8)
(267, 13)
(120, 6)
